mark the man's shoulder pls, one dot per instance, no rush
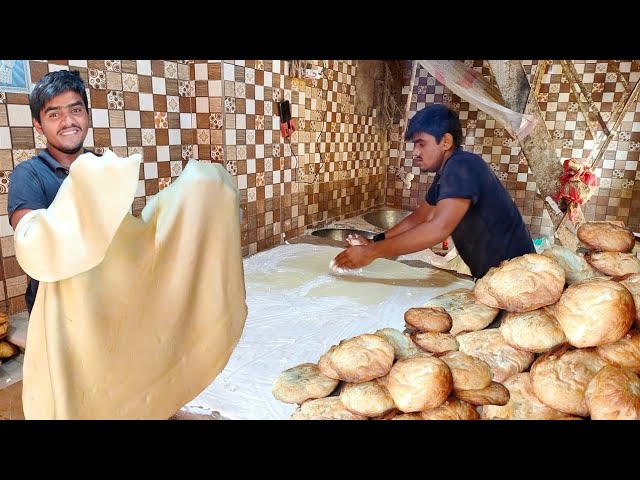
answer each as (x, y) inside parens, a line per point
(462, 160)
(33, 164)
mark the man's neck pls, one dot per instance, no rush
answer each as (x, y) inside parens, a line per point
(447, 156)
(64, 159)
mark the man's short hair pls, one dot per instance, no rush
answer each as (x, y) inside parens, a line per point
(52, 85)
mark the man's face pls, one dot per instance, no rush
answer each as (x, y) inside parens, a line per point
(427, 153)
(64, 121)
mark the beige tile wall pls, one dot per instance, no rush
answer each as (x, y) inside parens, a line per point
(618, 196)
(333, 167)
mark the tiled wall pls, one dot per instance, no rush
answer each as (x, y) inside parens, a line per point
(333, 167)
(618, 196)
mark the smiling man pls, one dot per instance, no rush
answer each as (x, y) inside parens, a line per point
(466, 201)
(59, 109)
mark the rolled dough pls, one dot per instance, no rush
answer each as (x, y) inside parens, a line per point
(134, 316)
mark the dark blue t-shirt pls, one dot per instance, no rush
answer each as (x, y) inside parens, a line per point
(34, 184)
(492, 230)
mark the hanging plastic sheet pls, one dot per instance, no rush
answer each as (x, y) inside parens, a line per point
(471, 86)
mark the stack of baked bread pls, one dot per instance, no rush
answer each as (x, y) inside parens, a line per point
(7, 349)
(542, 336)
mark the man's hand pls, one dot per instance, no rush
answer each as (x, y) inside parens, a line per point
(355, 257)
(354, 239)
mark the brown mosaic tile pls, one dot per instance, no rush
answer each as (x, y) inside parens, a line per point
(202, 88)
(171, 86)
(37, 70)
(6, 160)
(134, 137)
(186, 137)
(98, 98)
(157, 68)
(131, 101)
(147, 120)
(116, 119)
(22, 137)
(17, 304)
(159, 103)
(162, 136)
(145, 84)
(114, 80)
(17, 98)
(11, 268)
(164, 169)
(101, 137)
(129, 66)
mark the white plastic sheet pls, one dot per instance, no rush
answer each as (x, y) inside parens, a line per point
(298, 308)
(475, 89)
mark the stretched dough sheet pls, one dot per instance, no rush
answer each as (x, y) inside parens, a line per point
(150, 312)
(298, 308)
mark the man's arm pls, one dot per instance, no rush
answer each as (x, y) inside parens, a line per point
(445, 217)
(17, 216)
(26, 193)
(421, 215)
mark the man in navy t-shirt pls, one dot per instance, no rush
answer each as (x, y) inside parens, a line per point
(59, 107)
(466, 201)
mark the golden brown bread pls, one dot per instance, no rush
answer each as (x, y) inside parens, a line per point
(624, 353)
(301, 383)
(7, 349)
(606, 237)
(358, 359)
(419, 383)
(4, 328)
(614, 394)
(489, 345)
(452, 409)
(632, 283)
(614, 264)
(428, 319)
(494, 394)
(595, 312)
(328, 408)
(575, 267)
(469, 373)
(370, 399)
(4, 317)
(522, 284)
(435, 342)
(560, 377)
(536, 331)
(409, 416)
(523, 403)
(402, 344)
(467, 313)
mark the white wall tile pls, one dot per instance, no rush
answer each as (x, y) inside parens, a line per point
(100, 117)
(19, 115)
(143, 67)
(159, 85)
(132, 118)
(118, 137)
(146, 102)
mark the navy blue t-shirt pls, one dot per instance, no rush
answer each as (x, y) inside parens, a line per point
(492, 230)
(34, 184)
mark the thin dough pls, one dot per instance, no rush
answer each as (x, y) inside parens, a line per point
(134, 316)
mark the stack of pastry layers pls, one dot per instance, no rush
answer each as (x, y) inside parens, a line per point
(7, 349)
(565, 344)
